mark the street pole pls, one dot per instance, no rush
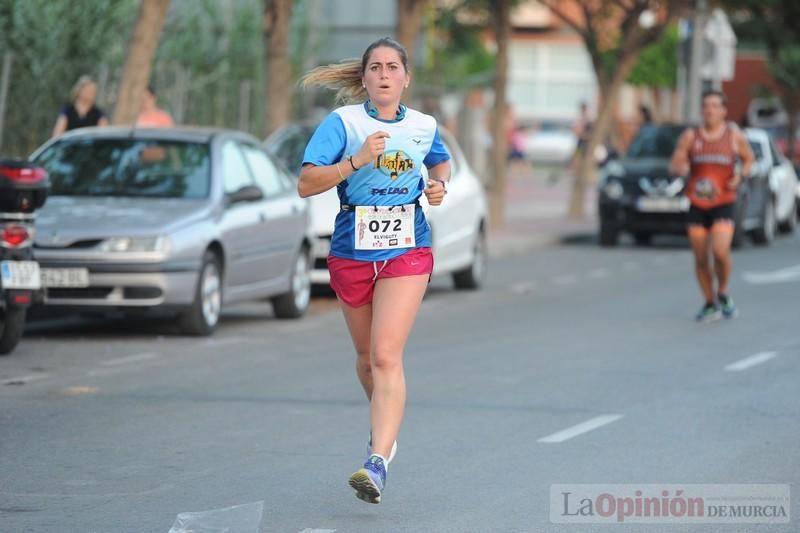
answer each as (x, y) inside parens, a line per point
(683, 70)
(695, 81)
(4, 82)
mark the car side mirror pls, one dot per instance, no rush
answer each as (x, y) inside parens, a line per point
(248, 193)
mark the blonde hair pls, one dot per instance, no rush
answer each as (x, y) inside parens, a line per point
(82, 82)
(346, 77)
(343, 77)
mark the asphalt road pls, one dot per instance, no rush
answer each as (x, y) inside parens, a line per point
(576, 365)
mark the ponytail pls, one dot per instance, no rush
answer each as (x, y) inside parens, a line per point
(343, 77)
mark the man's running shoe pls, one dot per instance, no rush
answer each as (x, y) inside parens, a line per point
(708, 313)
(728, 307)
(391, 453)
(368, 482)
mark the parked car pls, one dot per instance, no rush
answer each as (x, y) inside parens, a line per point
(783, 183)
(549, 142)
(766, 112)
(769, 113)
(179, 220)
(638, 195)
(797, 196)
(458, 225)
(780, 136)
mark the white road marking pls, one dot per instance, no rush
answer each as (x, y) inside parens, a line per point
(782, 275)
(524, 287)
(751, 361)
(660, 260)
(565, 279)
(630, 266)
(221, 341)
(109, 371)
(583, 427)
(131, 359)
(23, 380)
(598, 273)
(308, 530)
(122, 364)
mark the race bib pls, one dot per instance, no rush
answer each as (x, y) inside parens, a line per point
(705, 189)
(385, 227)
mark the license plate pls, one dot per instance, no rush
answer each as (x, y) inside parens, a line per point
(663, 205)
(20, 275)
(65, 277)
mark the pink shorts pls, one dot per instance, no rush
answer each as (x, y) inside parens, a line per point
(354, 281)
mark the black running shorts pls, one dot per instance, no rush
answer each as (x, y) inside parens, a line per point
(707, 217)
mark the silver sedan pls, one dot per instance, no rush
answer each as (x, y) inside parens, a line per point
(179, 220)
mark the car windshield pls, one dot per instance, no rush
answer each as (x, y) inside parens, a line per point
(290, 146)
(655, 141)
(127, 167)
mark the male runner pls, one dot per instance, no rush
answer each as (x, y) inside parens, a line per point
(708, 155)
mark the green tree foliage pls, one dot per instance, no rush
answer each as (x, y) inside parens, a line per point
(457, 57)
(773, 23)
(54, 43)
(218, 49)
(657, 65)
(214, 48)
(211, 54)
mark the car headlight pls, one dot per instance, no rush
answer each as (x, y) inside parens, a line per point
(613, 189)
(615, 169)
(134, 244)
(612, 169)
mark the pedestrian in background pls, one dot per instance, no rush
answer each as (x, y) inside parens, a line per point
(645, 116)
(82, 112)
(380, 262)
(582, 129)
(514, 140)
(152, 116)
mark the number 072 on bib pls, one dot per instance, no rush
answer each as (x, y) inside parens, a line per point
(384, 227)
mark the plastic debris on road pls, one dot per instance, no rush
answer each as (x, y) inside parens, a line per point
(243, 518)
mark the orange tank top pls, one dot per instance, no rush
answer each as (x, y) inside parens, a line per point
(713, 163)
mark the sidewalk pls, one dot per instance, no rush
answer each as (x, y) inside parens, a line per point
(536, 213)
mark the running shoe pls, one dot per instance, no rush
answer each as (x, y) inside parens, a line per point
(708, 313)
(368, 482)
(728, 307)
(391, 453)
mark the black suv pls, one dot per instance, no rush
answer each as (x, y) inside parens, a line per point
(638, 195)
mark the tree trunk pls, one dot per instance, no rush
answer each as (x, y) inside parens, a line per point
(139, 60)
(609, 92)
(278, 104)
(501, 16)
(409, 22)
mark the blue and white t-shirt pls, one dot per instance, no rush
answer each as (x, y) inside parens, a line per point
(393, 179)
